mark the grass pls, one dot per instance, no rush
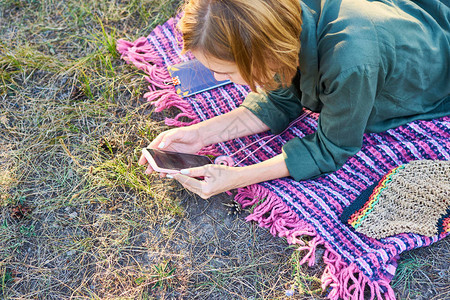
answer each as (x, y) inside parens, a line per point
(424, 273)
(79, 220)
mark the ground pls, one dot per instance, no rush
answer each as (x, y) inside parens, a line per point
(78, 217)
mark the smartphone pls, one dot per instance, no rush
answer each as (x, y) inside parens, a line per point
(172, 162)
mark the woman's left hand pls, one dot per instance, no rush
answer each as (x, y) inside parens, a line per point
(216, 179)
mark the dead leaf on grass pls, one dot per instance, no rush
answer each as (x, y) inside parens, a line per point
(20, 211)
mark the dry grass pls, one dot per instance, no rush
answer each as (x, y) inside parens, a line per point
(78, 218)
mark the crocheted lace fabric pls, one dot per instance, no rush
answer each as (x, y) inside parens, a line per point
(413, 197)
(356, 265)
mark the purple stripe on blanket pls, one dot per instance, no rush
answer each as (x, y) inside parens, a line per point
(293, 209)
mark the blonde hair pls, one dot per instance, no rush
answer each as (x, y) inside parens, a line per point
(261, 37)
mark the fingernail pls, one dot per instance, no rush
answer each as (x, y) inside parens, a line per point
(169, 176)
(184, 172)
(161, 145)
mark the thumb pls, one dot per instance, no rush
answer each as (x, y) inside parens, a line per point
(161, 142)
(164, 143)
(195, 172)
(166, 139)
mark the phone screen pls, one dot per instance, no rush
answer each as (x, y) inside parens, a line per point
(176, 160)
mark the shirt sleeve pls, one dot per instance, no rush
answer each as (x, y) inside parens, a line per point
(276, 109)
(347, 104)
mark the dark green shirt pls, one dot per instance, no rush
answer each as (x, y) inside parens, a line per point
(366, 66)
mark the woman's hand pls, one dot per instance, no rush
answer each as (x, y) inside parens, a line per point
(216, 179)
(184, 139)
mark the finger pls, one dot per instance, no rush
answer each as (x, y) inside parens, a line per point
(190, 183)
(164, 141)
(196, 172)
(157, 141)
(193, 185)
(142, 160)
(154, 144)
(149, 170)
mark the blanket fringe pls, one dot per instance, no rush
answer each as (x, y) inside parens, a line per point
(162, 95)
(348, 282)
(342, 280)
(274, 214)
(139, 52)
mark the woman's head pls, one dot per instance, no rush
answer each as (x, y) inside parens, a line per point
(256, 37)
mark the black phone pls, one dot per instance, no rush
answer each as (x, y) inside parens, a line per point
(170, 162)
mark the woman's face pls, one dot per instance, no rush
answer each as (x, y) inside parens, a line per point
(222, 70)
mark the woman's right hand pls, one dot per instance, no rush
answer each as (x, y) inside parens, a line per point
(184, 139)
